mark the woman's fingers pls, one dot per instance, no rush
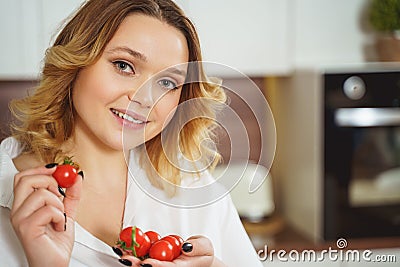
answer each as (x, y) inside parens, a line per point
(26, 185)
(36, 200)
(42, 170)
(36, 225)
(43, 217)
(128, 260)
(72, 198)
(197, 246)
(35, 189)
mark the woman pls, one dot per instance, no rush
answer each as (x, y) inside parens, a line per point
(112, 82)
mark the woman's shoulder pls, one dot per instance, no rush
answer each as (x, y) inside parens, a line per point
(10, 146)
(9, 149)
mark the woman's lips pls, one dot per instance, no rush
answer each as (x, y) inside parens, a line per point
(129, 116)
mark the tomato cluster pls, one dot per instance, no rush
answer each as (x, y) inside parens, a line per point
(149, 244)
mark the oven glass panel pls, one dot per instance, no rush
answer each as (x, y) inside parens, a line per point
(375, 168)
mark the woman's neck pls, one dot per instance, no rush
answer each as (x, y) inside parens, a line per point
(105, 179)
(102, 166)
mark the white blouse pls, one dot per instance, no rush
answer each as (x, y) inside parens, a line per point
(217, 220)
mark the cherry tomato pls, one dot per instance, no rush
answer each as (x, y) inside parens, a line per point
(126, 237)
(154, 236)
(133, 240)
(180, 239)
(65, 175)
(162, 250)
(175, 245)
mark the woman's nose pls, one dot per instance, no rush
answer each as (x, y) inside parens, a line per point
(142, 95)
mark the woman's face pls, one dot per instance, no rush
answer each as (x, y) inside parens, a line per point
(124, 91)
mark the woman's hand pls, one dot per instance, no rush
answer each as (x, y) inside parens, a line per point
(42, 219)
(197, 251)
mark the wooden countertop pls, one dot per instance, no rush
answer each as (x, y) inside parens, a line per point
(276, 234)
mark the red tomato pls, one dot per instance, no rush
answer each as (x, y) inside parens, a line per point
(180, 239)
(175, 244)
(126, 237)
(132, 239)
(65, 175)
(154, 236)
(162, 250)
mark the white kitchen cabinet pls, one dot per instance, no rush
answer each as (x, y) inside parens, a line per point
(20, 23)
(250, 36)
(257, 37)
(273, 37)
(330, 32)
(54, 14)
(26, 30)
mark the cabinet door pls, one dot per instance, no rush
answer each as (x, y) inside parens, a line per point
(19, 48)
(28, 27)
(55, 13)
(250, 36)
(330, 32)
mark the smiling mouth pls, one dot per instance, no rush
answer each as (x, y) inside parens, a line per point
(127, 117)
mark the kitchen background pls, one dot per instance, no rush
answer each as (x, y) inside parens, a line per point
(290, 49)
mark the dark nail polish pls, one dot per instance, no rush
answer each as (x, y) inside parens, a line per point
(117, 251)
(61, 191)
(187, 247)
(81, 174)
(65, 224)
(146, 265)
(125, 262)
(51, 165)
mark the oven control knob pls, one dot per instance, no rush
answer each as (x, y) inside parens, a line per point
(354, 88)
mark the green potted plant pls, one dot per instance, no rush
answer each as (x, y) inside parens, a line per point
(384, 17)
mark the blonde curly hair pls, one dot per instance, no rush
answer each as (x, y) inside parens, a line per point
(45, 119)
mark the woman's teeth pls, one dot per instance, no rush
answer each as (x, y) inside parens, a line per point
(126, 116)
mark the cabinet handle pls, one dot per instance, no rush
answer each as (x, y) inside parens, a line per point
(367, 117)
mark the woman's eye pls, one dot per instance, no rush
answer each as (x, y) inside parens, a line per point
(167, 84)
(124, 67)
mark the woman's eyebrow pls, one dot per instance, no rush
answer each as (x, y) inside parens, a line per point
(131, 52)
(176, 71)
(141, 57)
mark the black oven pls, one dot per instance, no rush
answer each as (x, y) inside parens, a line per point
(361, 154)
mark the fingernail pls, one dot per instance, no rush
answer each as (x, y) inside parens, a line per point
(125, 262)
(187, 247)
(81, 174)
(65, 224)
(51, 165)
(117, 251)
(61, 191)
(146, 265)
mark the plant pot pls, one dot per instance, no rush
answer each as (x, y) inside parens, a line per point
(388, 48)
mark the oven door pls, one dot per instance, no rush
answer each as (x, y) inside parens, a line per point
(362, 173)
